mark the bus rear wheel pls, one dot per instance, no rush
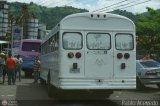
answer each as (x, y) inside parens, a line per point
(51, 89)
(158, 85)
(101, 94)
(139, 84)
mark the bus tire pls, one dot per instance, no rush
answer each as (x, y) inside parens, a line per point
(101, 94)
(158, 85)
(51, 89)
(49, 86)
(139, 84)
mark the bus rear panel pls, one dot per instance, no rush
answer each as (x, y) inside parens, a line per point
(96, 51)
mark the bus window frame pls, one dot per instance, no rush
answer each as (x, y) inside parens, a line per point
(98, 33)
(123, 34)
(73, 32)
(22, 48)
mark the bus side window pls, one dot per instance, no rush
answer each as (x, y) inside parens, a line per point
(52, 43)
(57, 41)
(41, 49)
(45, 47)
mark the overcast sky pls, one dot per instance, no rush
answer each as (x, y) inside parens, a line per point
(135, 6)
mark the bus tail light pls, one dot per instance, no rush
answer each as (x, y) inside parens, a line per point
(70, 55)
(126, 55)
(119, 55)
(78, 55)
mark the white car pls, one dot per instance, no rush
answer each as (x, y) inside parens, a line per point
(148, 72)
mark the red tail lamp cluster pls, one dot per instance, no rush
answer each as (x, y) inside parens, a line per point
(70, 55)
(77, 55)
(120, 55)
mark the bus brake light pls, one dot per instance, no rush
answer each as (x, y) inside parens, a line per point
(126, 55)
(119, 55)
(78, 55)
(70, 55)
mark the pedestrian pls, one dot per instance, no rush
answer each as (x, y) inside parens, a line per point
(4, 68)
(36, 69)
(19, 62)
(11, 66)
(1, 66)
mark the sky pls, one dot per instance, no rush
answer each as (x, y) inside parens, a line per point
(134, 6)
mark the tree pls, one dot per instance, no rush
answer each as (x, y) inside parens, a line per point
(148, 31)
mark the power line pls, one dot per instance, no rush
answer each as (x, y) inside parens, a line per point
(120, 5)
(136, 4)
(70, 2)
(109, 6)
(42, 2)
(132, 5)
(54, 3)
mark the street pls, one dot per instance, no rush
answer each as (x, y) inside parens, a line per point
(27, 93)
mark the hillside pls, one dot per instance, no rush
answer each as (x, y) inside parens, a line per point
(48, 16)
(51, 16)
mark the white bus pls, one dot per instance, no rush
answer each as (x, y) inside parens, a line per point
(93, 52)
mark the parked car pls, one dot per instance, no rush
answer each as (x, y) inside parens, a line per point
(148, 72)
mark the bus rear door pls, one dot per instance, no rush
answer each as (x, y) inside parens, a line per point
(124, 56)
(98, 56)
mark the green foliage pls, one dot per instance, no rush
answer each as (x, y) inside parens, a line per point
(148, 31)
(126, 14)
(48, 16)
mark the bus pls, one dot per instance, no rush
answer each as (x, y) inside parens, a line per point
(29, 49)
(93, 52)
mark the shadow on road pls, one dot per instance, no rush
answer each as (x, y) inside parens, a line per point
(146, 89)
(30, 94)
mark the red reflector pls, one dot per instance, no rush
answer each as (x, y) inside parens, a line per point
(126, 55)
(119, 55)
(70, 55)
(78, 55)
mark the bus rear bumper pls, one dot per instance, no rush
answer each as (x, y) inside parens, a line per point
(97, 84)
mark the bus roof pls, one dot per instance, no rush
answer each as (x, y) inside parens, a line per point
(97, 21)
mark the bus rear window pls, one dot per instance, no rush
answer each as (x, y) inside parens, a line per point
(30, 46)
(98, 41)
(124, 42)
(72, 41)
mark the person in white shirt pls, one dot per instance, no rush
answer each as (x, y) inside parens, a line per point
(18, 67)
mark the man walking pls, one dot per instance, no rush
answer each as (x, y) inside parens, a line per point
(11, 66)
(18, 68)
(36, 69)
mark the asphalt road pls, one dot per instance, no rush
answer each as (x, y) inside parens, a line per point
(26, 93)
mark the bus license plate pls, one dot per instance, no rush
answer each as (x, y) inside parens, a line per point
(75, 70)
